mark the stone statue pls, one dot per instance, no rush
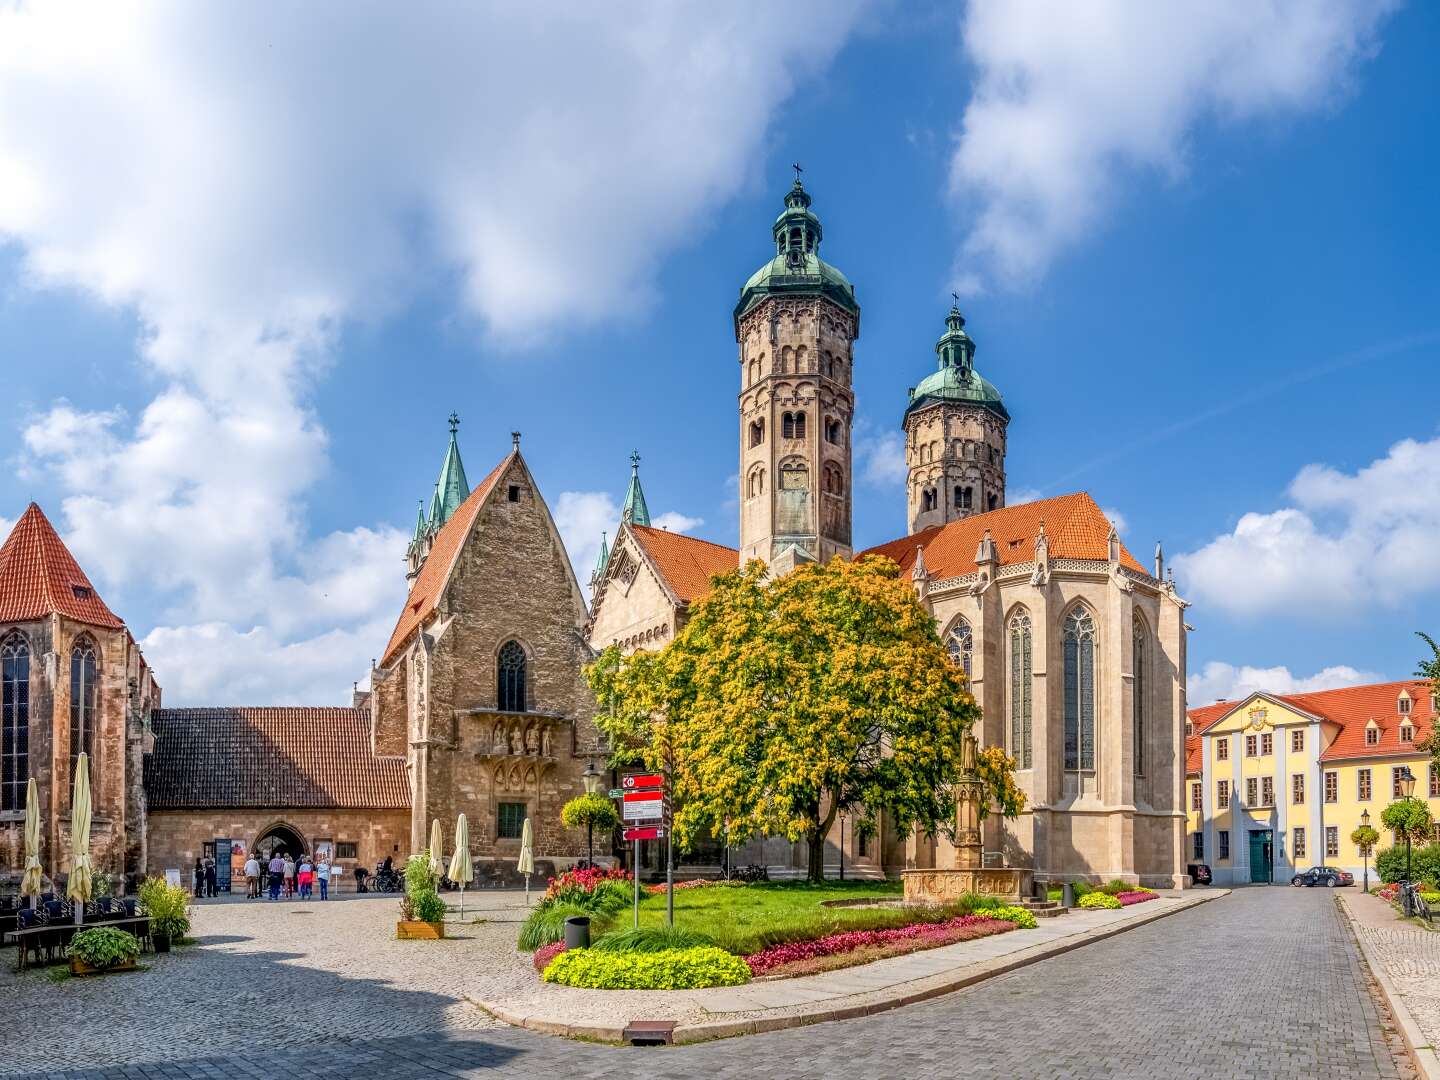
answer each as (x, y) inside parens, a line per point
(532, 740)
(515, 745)
(497, 739)
(546, 749)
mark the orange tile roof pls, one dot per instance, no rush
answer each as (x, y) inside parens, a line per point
(685, 562)
(1076, 526)
(38, 576)
(1200, 719)
(430, 583)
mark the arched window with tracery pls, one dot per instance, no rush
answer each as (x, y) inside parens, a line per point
(82, 702)
(14, 721)
(1079, 641)
(1140, 688)
(793, 425)
(510, 669)
(959, 642)
(1021, 668)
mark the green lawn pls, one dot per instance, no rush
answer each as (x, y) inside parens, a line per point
(745, 920)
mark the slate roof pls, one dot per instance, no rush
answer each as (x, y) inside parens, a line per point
(1077, 529)
(39, 576)
(430, 583)
(685, 562)
(299, 758)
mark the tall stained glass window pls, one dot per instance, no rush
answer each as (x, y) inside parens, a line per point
(82, 704)
(1021, 663)
(960, 644)
(14, 721)
(1079, 640)
(1140, 689)
(510, 672)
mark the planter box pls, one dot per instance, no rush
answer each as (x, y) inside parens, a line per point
(419, 931)
(79, 967)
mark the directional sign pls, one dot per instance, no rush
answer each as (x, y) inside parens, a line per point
(616, 793)
(649, 832)
(642, 809)
(639, 781)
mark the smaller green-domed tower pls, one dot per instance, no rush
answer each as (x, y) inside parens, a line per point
(955, 425)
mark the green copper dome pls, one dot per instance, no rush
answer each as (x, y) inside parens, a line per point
(957, 380)
(797, 268)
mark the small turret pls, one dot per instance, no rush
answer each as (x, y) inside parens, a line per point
(635, 511)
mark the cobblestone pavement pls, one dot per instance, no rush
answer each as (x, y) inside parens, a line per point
(1411, 957)
(1263, 983)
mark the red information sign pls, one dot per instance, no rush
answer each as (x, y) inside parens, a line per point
(640, 781)
(649, 832)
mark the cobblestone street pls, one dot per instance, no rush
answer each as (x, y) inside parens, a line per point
(1264, 983)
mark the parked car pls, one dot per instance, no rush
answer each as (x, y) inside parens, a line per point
(1199, 873)
(1329, 876)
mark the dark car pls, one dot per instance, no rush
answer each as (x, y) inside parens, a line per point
(1199, 873)
(1328, 876)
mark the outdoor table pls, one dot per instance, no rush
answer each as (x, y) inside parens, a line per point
(58, 934)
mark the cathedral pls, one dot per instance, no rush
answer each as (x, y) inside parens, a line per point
(478, 702)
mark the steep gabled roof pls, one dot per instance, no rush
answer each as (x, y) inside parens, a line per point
(39, 576)
(1076, 527)
(1200, 719)
(297, 758)
(685, 563)
(430, 582)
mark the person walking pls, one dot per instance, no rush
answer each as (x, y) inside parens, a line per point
(322, 875)
(289, 866)
(306, 872)
(277, 875)
(252, 877)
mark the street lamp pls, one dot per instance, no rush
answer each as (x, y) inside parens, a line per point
(591, 778)
(1365, 848)
(1407, 789)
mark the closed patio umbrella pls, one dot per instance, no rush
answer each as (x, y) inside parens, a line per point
(79, 885)
(437, 843)
(462, 871)
(32, 882)
(526, 865)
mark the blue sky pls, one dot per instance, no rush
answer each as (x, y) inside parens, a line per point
(1205, 284)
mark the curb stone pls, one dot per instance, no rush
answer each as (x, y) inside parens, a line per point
(1422, 1053)
(892, 998)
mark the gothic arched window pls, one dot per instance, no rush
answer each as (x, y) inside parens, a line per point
(82, 702)
(1139, 689)
(794, 425)
(1021, 667)
(510, 671)
(959, 643)
(14, 721)
(1079, 640)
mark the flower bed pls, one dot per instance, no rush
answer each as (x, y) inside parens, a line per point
(1098, 900)
(1137, 896)
(546, 953)
(671, 969)
(895, 941)
(573, 885)
(693, 883)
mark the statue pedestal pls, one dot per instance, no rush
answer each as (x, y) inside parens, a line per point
(941, 886)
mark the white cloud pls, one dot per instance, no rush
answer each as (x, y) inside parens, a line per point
(248, 179)
(1349, 541)
(1117, 519)
(1070, 100)
(676, 522)
(1218, 681)
(881, 458)
(581, 517)
(1021, 496)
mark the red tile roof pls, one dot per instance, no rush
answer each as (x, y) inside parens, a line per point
(1199, 720)
(430, 583)
(1352, 708)
(39, 576)
(1076, 526)
(270, 757)
(686, 563)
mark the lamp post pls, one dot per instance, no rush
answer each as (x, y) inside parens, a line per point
(1407, 789)
(591, 779)
(1365, 849)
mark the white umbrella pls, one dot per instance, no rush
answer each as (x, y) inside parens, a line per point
(462, 871)
(526, 865)
(32, 882)
(78, 887)
(437, 845)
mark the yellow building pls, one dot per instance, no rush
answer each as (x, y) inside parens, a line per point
(1277, 783)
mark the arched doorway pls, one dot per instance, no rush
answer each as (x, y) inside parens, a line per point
(280, 838)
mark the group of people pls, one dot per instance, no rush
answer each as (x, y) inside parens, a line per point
(283, 876)
(204, 873)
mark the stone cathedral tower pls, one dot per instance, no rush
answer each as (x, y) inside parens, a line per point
(954, 436)
(796, 323)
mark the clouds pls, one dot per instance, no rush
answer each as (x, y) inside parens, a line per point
(1347, 541)
(880, 457)
(1071, 100)
(1219, 681)
(250, 179)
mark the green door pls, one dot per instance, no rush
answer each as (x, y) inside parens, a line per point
(1261, 853)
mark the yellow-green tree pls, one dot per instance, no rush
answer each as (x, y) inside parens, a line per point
(783, 703)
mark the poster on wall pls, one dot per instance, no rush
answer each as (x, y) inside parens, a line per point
(222, 864)
(239, 852)
(172, 877)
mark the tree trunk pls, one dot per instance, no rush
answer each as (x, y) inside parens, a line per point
(815, 873)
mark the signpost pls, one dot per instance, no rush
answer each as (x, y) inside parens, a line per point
(646, 832)
(645, 811)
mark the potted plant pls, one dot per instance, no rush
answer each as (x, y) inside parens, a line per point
(102, 949)
(169, 911)
(422, 911)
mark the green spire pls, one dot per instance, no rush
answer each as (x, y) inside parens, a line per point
(452, 488)
(635, 511)
(419, 520)
(604, 558)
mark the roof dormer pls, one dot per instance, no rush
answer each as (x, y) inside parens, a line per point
(1372, 734)
(1404, 703)
(1407, 732)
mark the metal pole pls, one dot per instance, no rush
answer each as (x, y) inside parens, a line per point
(842, 847)
(635, 878)
(670, 876)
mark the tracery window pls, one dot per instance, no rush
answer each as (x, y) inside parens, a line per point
(14, 721)
(1021, 666)
(1140, 689)
(82, 702)
(959, 643)
(510, 671)
(1079, 641)
(794, 425)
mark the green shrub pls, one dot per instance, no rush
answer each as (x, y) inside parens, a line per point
(103, 947)
(168, 907)
(423, 907)
(1430, 897)
(1081, 889)
(419, 877)
(1390, 864)
(1023, 920)
(547, 924)
(421, 902)
(1115, 887)
(1098, 899)
(670, 969)
(652, 939)
(590, 811)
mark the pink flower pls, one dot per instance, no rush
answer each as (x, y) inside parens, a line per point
(1128, 898)
(921, 935)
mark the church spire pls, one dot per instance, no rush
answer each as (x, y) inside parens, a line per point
(452, 488)
(604, 558)
(419, 521)
(635, 511)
